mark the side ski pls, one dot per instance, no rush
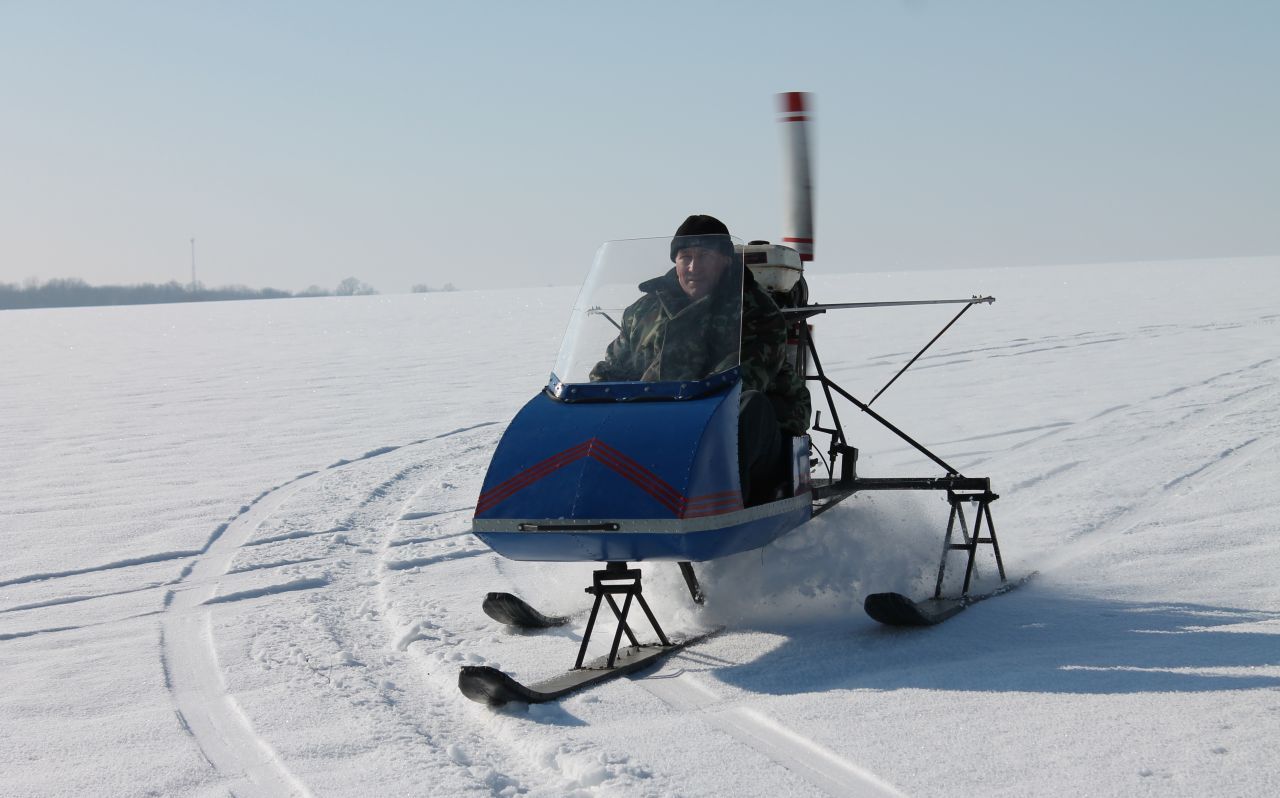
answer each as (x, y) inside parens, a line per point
(491, 686)
(515, 611)
(895, 609)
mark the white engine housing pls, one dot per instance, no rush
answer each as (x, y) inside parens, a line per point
(776, 268)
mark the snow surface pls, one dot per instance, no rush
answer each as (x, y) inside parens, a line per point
(236, 557)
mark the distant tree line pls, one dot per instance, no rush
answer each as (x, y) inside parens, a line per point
(63, 293)
(423, 288)
(353, 287)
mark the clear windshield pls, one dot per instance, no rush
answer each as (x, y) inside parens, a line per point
(656, 310)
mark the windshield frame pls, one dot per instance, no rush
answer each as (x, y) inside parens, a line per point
(645, 270)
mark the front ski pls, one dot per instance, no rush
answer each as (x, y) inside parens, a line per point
(491, 686)
(515, 611)
(895, 609)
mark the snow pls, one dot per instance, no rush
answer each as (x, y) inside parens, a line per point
(237, 558)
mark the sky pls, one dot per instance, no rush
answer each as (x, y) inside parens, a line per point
(492, 144)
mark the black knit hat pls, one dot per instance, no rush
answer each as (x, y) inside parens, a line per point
(700, 230)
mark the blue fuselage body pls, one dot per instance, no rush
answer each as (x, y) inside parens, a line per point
(625, 480)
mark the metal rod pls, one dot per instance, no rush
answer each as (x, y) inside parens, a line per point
(991, 525)
(644, 605)
(973, 550)
(691, 579)
(887, 425)
(586, 635)
(912, 361)
(812, 309)
(622, 624)
(596, 311)
(838, 439)
(946, 549)
(622, 618)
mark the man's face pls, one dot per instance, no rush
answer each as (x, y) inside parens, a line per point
(699, 269)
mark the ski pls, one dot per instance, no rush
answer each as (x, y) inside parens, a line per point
(491, 686)
(895, 609)
(512, 610)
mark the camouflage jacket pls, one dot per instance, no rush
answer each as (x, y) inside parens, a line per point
(667, 336)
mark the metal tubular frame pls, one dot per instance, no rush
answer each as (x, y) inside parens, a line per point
(617, 572)
(829, 385)
(691, 579)
(913, 360)
(960, 489)
(970, 544)
(618, 580)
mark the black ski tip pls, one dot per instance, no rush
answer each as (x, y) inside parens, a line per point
(895, 609)
(512, 610)
(486, 685)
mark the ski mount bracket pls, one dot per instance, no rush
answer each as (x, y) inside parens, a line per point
(957, 499)
(616, 579)
(960, 491)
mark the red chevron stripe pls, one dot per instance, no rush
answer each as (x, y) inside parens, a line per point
(671, 504)
(603, 453)
(638, 470)
(538, 470)
(524, 479)
(709, 496)
(697, 508)
(702, 512)
(666, 501)
(726, 501)
(702, 505)
(707, 513)
(726, 506)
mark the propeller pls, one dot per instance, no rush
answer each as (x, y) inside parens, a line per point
(795, 109)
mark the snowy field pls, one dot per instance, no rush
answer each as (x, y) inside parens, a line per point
(237, 558)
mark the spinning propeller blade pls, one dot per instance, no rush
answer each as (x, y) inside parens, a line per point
(795, 108)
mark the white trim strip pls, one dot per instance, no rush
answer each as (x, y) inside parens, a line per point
(658, 526)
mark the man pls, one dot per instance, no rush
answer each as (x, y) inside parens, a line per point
(688, 326)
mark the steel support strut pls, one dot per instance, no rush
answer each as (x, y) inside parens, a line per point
(616, 579)
(971, 541)
(839, 441)
(912, 361)
(691, 579)
(843, 480)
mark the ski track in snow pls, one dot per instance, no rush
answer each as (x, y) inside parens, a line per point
(222, 730)
(825, 769)
(1201, 414)
(111, 566)
(498, 750)
(1169, 458)
(453, 740)
(537, 767)
(767, 737)
(206, 710)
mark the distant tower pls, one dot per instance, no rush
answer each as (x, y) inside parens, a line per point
(193, 264)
